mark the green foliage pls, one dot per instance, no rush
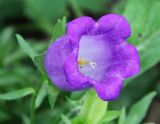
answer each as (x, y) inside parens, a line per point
(138, 110)
(92, 105)
(5, 37)
(41, 94)
(36, 58)
(45, 12)
(110, 116)
(52, 95)
(45, 9)
(59, 29)
(65, 119)
(122, 117)
(145, 26)
(25, 46)
(17, 94)
(43, 103)
(145, 30)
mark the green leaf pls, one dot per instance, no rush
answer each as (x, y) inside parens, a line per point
(143, 22)
(138, 110)
(65, 119)
(145, 30)
(17, 94)
(41, 94)
(39, 62)
(149, 52)
(122, 117)
(53, 92)
(59, 29)
(110, 116)
(92, 110)
(38, 59)
(26, 47)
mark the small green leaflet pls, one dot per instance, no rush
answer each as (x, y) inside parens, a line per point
(59, 29)
(53, 92)
(36, 57)
(41, 94)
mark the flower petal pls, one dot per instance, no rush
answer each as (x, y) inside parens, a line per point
(78, 27)
(115, 22)
(109, 89)
(54, 61)
(125, 60)
(74, 77)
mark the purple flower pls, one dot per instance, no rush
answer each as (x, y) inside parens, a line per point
(93, 54)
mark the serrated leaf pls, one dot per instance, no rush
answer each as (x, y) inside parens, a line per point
(41, 94)
(17, 94)
(122, 117)
(138, 110)
(92, 110)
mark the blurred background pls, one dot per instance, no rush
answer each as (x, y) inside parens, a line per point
(35, 20)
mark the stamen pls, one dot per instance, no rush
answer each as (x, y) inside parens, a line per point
(93, 64)
(83, 62)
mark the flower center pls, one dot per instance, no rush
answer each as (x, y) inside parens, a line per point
(93, 56)
(82, 62)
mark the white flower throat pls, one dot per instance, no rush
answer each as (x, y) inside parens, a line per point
(93, 56)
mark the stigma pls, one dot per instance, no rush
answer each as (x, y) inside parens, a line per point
(83, 62)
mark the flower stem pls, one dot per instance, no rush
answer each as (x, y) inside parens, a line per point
(76, 8)
(32, 111)
(92, 110)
